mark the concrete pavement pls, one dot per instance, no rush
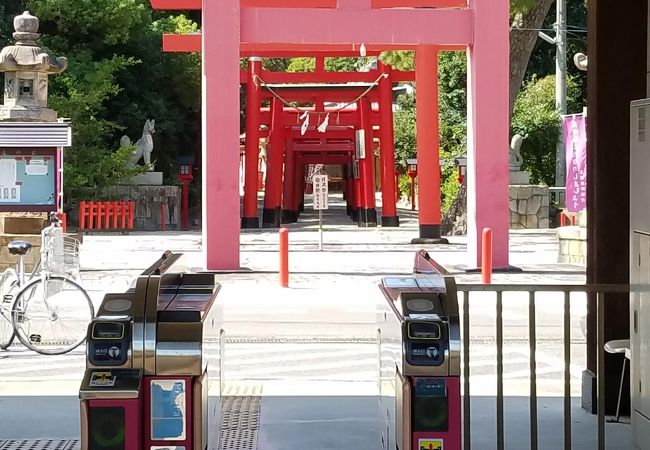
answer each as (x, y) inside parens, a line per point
(312, 348)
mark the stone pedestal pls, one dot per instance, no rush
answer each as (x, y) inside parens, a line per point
(7, 260)
(22, 222)
(573, 241)
(573, 245)
(151, 202)
(518, 177)
(23, 114)
(148, 179)
(529, 206)
(23, 226)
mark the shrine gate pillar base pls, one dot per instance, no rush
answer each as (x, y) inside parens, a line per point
(488, 132)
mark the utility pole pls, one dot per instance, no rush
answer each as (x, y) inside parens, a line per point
(560, 88)
(560, 84)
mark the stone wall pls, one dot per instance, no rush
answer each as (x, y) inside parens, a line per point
(148, 201)
(573, 241)
(7, 260)
(529, 206)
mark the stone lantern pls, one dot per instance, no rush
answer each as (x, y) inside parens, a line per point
(26, 67)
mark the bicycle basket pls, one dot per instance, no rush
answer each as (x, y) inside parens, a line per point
(62, 256)
(71, 263)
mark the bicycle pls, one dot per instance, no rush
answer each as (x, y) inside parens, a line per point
(50, 311)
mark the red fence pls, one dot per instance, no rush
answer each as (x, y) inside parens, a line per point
(106, 215)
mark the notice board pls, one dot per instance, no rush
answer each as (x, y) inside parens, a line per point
(27, 179)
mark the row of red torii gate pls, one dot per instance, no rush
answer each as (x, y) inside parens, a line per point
(331, 28)
(340, 127)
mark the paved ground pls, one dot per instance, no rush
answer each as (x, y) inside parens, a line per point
(313, 347)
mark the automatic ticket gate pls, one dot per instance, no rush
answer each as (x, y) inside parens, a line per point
(152, 379)
(419, 340)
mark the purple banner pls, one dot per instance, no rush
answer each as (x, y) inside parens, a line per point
(575, 147)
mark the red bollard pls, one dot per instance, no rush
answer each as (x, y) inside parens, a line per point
(63, 218)
(486, 256)
(82, 215)
(284, 257)
(562, 219)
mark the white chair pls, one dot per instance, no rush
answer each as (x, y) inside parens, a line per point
(619, 346)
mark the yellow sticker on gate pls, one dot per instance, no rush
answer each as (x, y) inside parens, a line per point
(102, 379)
(430, 444)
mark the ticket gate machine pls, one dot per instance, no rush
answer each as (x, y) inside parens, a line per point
(153, 368)
(419, 348)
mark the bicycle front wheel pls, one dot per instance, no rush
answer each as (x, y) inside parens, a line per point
(9, 283)
(51, 315)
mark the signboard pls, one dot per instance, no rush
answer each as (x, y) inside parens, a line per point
(10, 194)
(575, 145)
(36, 167)
(320, 192)
(361, 144)
(102, 379)
(28, 179)
(431, 444)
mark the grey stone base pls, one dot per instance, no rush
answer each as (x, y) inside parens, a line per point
(148, 201)
(528, 206)
(23, 114)
(573, 245)
(148, 179)
(519, 177)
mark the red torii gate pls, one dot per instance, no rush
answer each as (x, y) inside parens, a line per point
(234, 28)
(325, 90)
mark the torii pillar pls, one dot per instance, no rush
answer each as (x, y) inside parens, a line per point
(482, 28)
(428, 143)
(488, 130)
(220, 89)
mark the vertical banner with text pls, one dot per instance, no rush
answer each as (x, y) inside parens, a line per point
(575, 145)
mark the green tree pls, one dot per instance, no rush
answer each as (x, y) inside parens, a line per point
(116, 79)
(537, 120)
(452, 73)
(526, 18)
(331, 64)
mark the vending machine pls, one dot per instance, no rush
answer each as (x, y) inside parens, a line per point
(640, 272)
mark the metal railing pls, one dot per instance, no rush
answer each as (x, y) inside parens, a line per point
(599, 291)
(557, 195)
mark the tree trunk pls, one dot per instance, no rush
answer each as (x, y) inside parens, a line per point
(455, 221)
(523, 36)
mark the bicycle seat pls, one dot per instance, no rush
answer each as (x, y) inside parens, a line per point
(19, 247)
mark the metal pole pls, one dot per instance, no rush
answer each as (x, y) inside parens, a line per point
(532, 341)
(320, 230)
(560, 87)
(500, 410)
(600, 368)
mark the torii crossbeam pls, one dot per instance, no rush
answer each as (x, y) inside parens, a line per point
(235, 28)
